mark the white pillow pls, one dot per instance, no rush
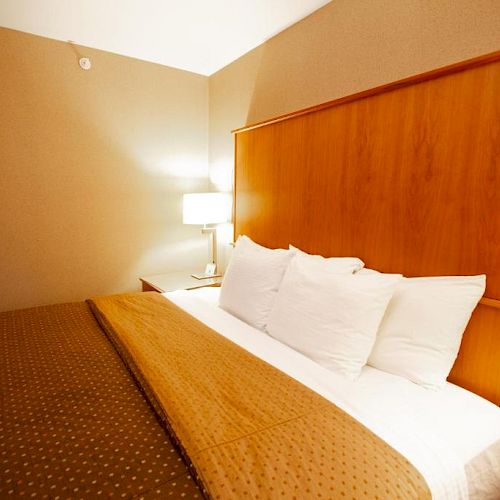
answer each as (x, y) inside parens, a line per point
(342, 262)
(251, 281)
(419, 337)
(330, 317)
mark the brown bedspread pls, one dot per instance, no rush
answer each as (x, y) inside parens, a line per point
(73, 424)
(249, 430)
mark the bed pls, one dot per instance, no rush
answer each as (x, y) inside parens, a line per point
(151, 396)
(80, 426)
(426, 426)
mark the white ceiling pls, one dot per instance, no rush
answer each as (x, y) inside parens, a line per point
(196, 35)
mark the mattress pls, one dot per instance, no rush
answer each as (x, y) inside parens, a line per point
(451, 435)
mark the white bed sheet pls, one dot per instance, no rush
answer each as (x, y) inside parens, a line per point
(439, 432)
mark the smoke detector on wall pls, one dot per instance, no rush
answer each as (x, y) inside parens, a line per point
(85, 63)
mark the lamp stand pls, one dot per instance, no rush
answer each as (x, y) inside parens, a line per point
(211, 268)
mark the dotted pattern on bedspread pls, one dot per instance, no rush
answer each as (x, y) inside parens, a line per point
(73, 423)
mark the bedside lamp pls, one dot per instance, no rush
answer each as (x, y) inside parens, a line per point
(203, 209)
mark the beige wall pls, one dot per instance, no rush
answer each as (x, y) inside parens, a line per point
(92, 168)
(345, 47)
(93, 164)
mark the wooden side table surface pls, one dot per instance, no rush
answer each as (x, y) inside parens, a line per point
(180, 280)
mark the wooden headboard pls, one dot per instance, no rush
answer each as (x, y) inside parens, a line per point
(405, 176)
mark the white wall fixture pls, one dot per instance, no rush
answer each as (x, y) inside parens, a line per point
(85, 63)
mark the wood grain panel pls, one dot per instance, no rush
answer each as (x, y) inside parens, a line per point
(477, 367)
(406, 178)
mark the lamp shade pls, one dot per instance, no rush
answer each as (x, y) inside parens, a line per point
(206, 208)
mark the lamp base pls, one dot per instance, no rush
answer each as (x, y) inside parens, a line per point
(210, 272)
(205, 276)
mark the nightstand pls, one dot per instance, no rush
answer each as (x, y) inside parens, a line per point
(175, 281)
